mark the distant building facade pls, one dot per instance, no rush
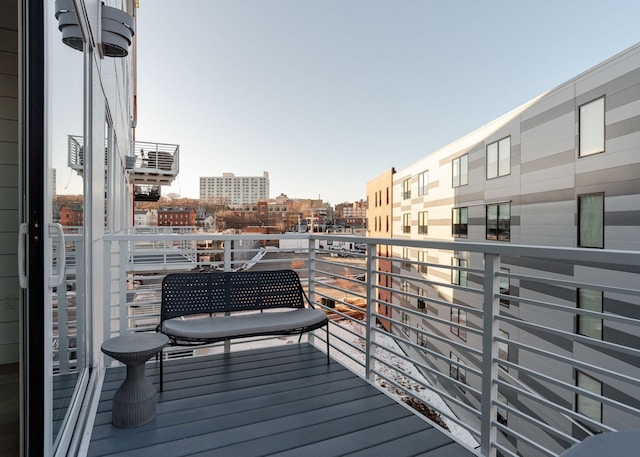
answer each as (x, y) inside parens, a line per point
(351, 214)
(234, 190)
(184, 216)
(562, 170)
(379, 216)
(72, 215)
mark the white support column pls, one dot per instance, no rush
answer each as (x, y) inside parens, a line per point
(124, 307)
(488, 431)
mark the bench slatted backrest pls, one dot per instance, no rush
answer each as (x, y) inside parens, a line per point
(191, 293)
(250, 290)
(197, 293)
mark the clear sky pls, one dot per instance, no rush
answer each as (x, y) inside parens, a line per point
(326, 95)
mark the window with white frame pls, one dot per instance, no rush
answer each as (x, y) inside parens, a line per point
(460, 171)
(406, 189)
(422, 300)
(457, 372)
(498, 222)
(459, 222)
(423, 258)
(406, 223)
(423, 222)
(421, 338)
(588, 406)
(503, 348)
(459, 317)
(499, 158)
(406, 285)
(592, 125)
(405, 258)
(459, 276)
(503, 418)
(505, 286)
(423, 183)
(589, 325)
(405, 320)
(591, 221)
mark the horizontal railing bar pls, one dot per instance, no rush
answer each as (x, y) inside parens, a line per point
(571, 335)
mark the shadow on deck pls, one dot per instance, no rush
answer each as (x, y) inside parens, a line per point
(283, 401)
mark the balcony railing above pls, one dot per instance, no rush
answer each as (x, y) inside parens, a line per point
(152, 164)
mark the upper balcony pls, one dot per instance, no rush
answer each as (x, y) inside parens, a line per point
(509, 350)
(152, 164)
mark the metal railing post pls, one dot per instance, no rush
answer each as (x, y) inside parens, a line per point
(311, 284)
(488, 408)
(227, 267)
(312, 270)
(370, 308)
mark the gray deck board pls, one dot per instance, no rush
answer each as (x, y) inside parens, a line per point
(281, 401)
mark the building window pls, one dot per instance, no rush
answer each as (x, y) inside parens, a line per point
(592, 127)
(405, 258)
(422, 300)
(423, 183)
(503, 348)
(460, 171)
(423, 222)
(499, 222)
(423, 258)
(459, 222)
(587, 406)
(406, 189)
(459, 316)
(421, 338)
(405, 320)
(406, 285)
(499, 158)
(457, 372)
(505, 286)
(406, 223)
(588, 325)
(459, 277)
(591, 221)
(501, 410)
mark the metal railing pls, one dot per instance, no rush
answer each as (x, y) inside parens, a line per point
(524, 350)
(156, 157)
(147, 157)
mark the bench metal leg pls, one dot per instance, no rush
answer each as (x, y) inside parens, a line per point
(161, 371)
(328, 360)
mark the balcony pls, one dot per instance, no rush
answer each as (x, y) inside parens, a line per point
(154, 164)
(150, 166)
(501, 358)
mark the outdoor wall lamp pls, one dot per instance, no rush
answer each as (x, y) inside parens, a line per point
(117, 28)
(68, 24)
(117, 31)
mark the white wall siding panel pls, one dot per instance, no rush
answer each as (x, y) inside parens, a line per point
(546, 177)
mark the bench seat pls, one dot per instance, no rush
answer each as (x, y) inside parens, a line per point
(218, 328)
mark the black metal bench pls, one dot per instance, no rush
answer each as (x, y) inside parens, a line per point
(203, 308)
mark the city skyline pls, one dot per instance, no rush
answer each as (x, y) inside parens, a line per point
(327, 96)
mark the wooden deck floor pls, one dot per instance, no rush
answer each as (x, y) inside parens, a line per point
(283, 401)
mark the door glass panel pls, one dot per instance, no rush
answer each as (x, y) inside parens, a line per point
(66, 154)
(9, 222)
